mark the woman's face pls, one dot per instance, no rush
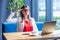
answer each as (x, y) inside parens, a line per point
(25, 11)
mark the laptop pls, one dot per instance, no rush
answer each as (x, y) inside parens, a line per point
(48, 27)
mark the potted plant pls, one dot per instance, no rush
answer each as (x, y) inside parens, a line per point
(15, 5)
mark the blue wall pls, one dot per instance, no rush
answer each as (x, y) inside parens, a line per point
(4, 12)
(35, 9)
(48, 10)
(0, 23)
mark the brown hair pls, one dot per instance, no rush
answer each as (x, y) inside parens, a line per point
(23, 7)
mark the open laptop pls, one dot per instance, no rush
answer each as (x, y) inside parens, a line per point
(48, 27)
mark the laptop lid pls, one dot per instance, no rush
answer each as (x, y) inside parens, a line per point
(48, 27)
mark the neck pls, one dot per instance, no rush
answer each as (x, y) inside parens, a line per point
(25, 17)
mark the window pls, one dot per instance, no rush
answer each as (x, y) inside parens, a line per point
(56, 12)
(41, 10)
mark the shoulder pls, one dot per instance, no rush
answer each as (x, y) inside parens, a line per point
(32, 19)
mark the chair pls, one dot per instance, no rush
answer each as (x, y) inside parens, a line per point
(11, 27)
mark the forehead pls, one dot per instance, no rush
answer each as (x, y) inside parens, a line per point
(26, 8)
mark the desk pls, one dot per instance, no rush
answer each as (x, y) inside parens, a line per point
(20, 36)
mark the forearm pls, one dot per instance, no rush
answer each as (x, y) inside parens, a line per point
(10, 17)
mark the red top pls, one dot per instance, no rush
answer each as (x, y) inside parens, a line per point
(27, 26)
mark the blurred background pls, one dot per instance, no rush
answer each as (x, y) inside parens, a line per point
(41, 11)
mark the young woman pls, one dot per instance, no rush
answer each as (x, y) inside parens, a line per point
(25, 22)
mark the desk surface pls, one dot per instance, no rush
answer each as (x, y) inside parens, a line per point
(21, 36)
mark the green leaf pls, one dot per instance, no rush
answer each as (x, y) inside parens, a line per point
(15, 4)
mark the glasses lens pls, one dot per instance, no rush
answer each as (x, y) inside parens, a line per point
(25, 10)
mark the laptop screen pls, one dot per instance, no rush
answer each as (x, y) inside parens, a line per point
(49, 27)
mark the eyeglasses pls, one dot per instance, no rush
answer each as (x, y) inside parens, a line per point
(25, 10)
